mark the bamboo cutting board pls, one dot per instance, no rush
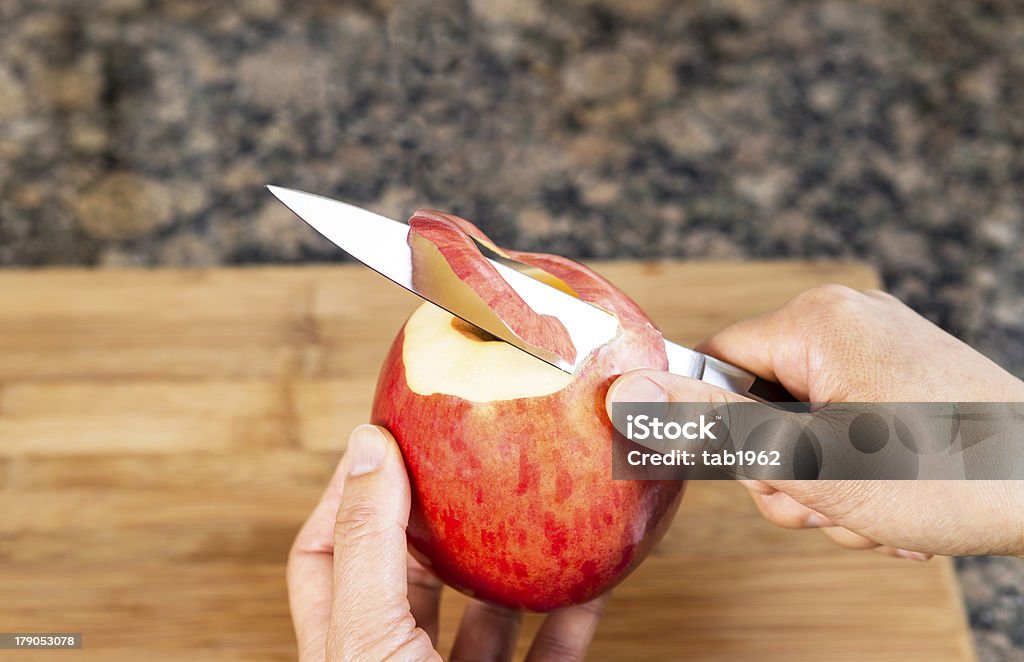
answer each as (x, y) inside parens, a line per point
(164, 433)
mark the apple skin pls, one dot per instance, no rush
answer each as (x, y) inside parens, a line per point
(513, 500)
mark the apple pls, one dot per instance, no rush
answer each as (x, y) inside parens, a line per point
(510, 458)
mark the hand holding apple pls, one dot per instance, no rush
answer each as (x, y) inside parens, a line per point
(356, 594)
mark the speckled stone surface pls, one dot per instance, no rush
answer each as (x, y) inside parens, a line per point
(141, 132)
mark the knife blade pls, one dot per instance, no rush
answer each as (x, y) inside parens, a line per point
(381, 244)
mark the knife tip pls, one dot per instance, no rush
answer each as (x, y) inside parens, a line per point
(281, 192)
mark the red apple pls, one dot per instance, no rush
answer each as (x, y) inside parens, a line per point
(510, 458)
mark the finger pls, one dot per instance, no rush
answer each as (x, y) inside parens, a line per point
(487, 632)
(566, 634)
(756, 486)
(424, 597)
(898, 553)
(783, 510)
(371, 616)
(776, 506)
(655, 386)
(310, 572)
(786, 345)
(848, 539)
(752, 344)
(740, 416)
(658, 386)
(772, 346)
(882, 295)
(885, 550)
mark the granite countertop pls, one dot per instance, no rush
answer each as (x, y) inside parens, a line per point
(140, 132)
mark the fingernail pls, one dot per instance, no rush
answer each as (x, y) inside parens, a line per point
(637, 388)
(816, 521)
(366, 450)
(913, 556)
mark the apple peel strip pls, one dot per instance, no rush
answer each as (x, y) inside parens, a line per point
(451, 237)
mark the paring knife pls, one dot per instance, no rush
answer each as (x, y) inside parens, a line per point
(380, 243)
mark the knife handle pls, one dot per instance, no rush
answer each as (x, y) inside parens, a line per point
(690, 363)
(768, 391)
(738, 380)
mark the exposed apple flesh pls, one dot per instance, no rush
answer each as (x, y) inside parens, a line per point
(509, 458)
(475, 369)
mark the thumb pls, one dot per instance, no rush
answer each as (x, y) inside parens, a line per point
(370, 572)
(746, 425)
(656, 386)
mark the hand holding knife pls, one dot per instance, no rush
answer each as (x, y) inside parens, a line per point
(381, 244)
